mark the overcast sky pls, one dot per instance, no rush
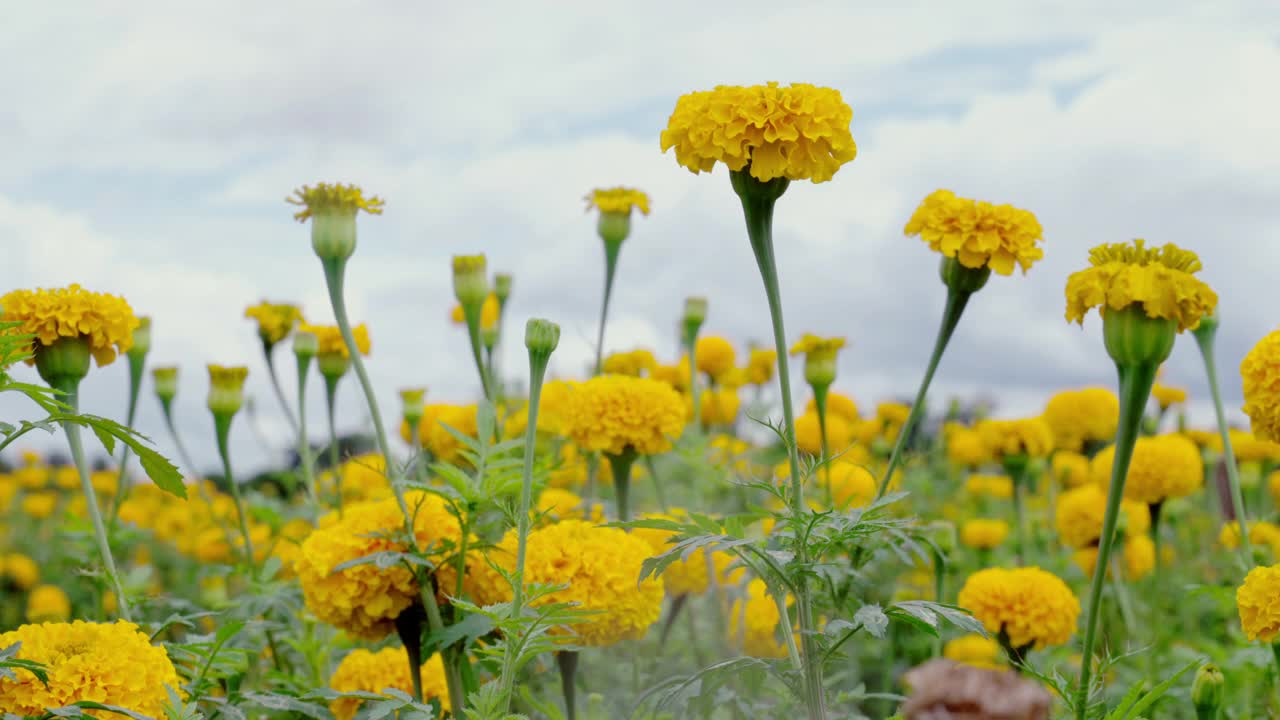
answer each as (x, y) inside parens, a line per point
(148, 148)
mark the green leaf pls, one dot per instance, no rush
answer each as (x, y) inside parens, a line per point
(274, 701)
(471, 627)
(873, 618)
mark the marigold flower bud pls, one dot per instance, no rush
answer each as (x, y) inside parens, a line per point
(470, 279)
(332, 210)
(963, 279)
(1207, 691)
(66, 359)
(1134, 338)
(541, 336)
(141, 338)
(695, 313)
(502, 286)
(165, 381)
(413, 399)
(226, 389)
(333, 365)
(305, 344)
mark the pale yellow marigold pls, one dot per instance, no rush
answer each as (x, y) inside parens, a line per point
(983, 533)
(837, 405)
(275, 320)
(1166, 396)
(1079, 416)
(800, 132)
(993, 486)
(974, 649)
(1160, 281)
(364, 600)
(1249, 448)
(1032, 606)
(1163, 467)
(618, 200)
(715, 355)
(106, 322)
(612, 413)
(1027, 437)
(1260, 372)
(761, 365)
(635, 363)
(600, 566)
(755, 623)
(1258, 601)
(110, 663)
(490, 311)
(331, 342)
(978, 233)
(332, 198)
(48, 603)
(1078, 516)
(1070, 469)
(364, 671)
(966, 448)
(690, 576)
(718, 407)
(19, 570)
(809, 433)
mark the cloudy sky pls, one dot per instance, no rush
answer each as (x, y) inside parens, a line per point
(148, 149)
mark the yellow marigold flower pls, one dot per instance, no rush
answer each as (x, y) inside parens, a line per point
(966, 448)
(733, 378)
(19, 570)
(1166, 396)
(809, 344)
(48, 603)
(1161, 281)
(993, 486)
(1260, 371)
(1080, 416)
(1258, 601)
(433, 430)
(275, 320)
(1138, 554)
(32, 477)
(618, 200)
(974, 649)
(852, 485)
(560, 504)
(1071, 469)
(692, 575)
(490, 311)
(1032, 606)
(837, 405)
(110, 663)
(984, 534)
(719, 406)
(1163, 467)
(364, 600)
(1260, 533)
(677, 375)
(66, 477)
(612, 413)
(1249, 448)
(755, 624)
(977, 233)
(39, 505)
(760, 366)
(364, 477)
(715, 355)
(634, 363)
(800, 132)
(331, 342)
(332, 198)
(599, 565)
(553, 406)
(1078, 516)
(1029, 437)
(105, 322)
(387, 669)
(893, 413)
(809, 433)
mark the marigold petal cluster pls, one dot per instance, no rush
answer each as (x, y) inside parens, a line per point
(755, 625)
(48, 603)
(1030, 605)
(1079, 512)
(1163, 467)
(329, 338)
(1082, 416)
(332, 198)
(386, 669)
(105, 321)
(635, 363)
(275, 320)
(966, 447)
(974, 649)
(612, 413)
(715, 355)
(1258, 600)
(691, 575)
(977, 233)
(999, 487)
(1166, 396)
(1069, 469)
(1160, 281)
(1260, 372)
(618, 200)
(983, 534)
(1029, 437)
(761, 364)
(799, 132)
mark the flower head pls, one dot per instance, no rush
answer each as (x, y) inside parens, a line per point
(1029, 437)
(19, 571)
(275, 320)
(111, 663)
(48, 603)
(1160, 281)
(809, 433)
(331, 342)
(634, 363)
(760, 366)
(489, 313)
(837, 405)
(226, 388)
(618, 200)
(105, 322)
(365, 671)
(612, 413)
(719, 406)
(965, 447)
(1163, 467)
(984, 534)
(756, 623)
(800, 132)
(689, 576)
(974, 649)
(1078, 516)
(1070, 469)
(1258, 601)
(715, 355)
(1260, 371)
(332, 198)
(993, 486)
(810, 344)
(1080, 416)
(1032, 606)
(1166, 396)
(977, 233)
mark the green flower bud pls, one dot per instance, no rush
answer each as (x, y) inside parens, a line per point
(820, 368)
(963, 279)
(489, 337)
(141, 339)
(412, 400)
(614, 227)
(305, 344)
(470, 280)
(333, 235)
(333, 365)
(226, 389)
(1207, 691)
(502, 286)
(541, 336)
(1207, 328)
(65, 361)
(165, 381)
(1133, 338)
(695, 313)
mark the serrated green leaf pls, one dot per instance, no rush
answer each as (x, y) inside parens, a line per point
(873, 618)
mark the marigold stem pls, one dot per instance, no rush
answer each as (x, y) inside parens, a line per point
(222, 428)
(1205, 342)
(611, 250)
(267, 352)
(304, 445)
(335, 459)
(621, 464)
(136, 366)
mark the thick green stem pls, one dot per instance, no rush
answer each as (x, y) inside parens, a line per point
(222, 427)
(473, 313)
(820, 404)
(1135, 389)
(1205, 342)
(691, 345)
(621, 464)
(453, 682)
(71, 389)
(611, 250)
(568, 664)
(275, 385)
(335, 459)
(304, 445)
(136, 366)
(956, 301)
(409, 628)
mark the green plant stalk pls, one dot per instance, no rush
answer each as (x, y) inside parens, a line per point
(621, 466)
(1020, 514)
(1135, 390)
(691, 344)
(939, 590)
(334, 271)
(820, 404)
(757, 210)
(567, 661)
(472, 315)
(304, 445)
(267, 352)
(222, 427)
(788, 635)
(611, 250)
(70, 388)
(956, 302)
(1205, 343)
(136, 365)
(537, 371)
(657, 482)
(335, 459)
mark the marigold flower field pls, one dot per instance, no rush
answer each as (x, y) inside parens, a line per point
(700, 535)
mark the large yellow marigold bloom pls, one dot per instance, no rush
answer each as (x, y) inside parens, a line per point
(635, 363)
(110, 663)
(837, 405)
(992, 486)
(966, 447)
(761, 365)
(977, 233)
(612, 413)
(809, 433)
(1080, 416)
(600, 566)
(1032, 606)
(1029, 437)
(984, 534)
(715, 355)
(387, 669)
(1163, 467)
(975, 650)
(106, 322)
(1260, 371)
(19, 570)
(618, 200)
(1078, 516)
(275, 320)
(852, 485)
(1160, 281)
(1258, 600)
(336, 198)
(719, 406)
(364, 600)
(800, 132)
(755, 624)
(1070, 469)
(330, 339)
(48, 603)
